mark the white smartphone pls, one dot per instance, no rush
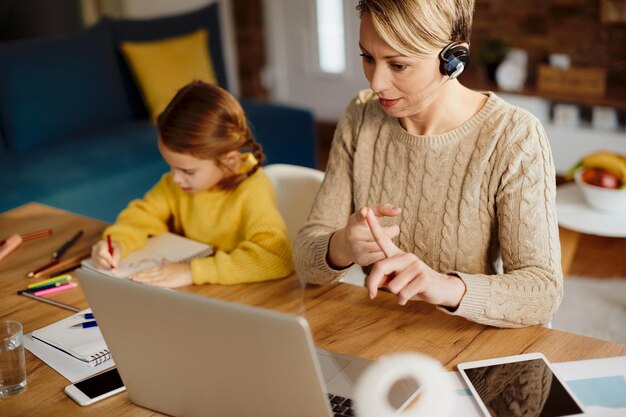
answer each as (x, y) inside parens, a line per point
(524, 385)
(96, 387)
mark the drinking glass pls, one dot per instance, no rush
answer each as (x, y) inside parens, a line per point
(12, 361)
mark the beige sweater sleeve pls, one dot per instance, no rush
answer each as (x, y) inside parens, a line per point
(331, 209)
(531, 288)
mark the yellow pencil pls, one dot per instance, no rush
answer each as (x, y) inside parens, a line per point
(50, 281)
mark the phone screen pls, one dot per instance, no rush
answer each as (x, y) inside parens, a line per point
(100, 384)
(526, 388)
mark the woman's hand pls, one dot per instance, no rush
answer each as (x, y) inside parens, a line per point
(355, 243)
(168, 274)
(101, 257)
(407, 276)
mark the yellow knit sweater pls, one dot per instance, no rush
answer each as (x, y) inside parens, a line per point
(244, 225)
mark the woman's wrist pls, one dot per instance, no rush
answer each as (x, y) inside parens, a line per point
(335, 256)
(456, 290)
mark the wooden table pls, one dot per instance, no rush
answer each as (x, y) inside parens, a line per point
(341, 316)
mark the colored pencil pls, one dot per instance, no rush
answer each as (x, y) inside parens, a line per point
(68, 286)
(49, 281)
(49, 301)
(45, 287)
(33, 235)
(65, 265)
(55, 256)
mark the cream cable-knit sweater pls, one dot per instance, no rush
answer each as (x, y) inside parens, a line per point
(477, 202)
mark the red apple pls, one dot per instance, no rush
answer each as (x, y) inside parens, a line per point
(600, 177)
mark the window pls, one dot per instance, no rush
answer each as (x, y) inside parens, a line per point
(330, 36)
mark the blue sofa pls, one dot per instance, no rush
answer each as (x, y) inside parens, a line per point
(74, 132)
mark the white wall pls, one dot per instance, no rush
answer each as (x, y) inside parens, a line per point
(292, 74)
(569, 144)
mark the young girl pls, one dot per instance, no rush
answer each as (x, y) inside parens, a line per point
(215, 193)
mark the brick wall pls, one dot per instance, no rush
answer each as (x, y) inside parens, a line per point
(250, 40)
(542, 27)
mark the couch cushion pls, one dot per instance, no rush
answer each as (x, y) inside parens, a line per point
(96, 175)
(163, 67)
(287, 133)
(139, 30)
(55, 88)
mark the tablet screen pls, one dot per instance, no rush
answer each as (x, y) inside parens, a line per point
(527, 388)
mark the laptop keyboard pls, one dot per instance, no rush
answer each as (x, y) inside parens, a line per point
(341, 406)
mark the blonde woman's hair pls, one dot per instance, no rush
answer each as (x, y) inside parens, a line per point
(420, 28)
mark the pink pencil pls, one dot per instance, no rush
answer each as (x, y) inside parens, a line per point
(63, 287)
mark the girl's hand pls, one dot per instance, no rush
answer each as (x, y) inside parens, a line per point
(407, 276)
(168, 274)
(355, 242)
(101, 257)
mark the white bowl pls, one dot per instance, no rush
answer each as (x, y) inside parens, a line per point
(600, 198)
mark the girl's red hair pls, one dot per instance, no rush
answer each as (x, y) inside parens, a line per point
(206, 121)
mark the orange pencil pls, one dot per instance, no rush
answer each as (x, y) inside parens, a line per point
(32, 235)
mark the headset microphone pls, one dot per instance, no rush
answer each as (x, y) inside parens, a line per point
(453, 59)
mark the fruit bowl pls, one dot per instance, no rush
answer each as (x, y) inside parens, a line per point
(601, 198)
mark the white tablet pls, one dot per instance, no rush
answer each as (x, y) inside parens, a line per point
(521, 385)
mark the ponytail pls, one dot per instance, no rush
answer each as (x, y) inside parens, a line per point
(256, 149)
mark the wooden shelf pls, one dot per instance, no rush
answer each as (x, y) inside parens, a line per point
(615, 96)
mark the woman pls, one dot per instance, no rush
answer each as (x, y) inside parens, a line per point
(446, 193)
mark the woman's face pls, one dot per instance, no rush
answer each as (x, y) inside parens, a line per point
(192, 174)
(405, 86)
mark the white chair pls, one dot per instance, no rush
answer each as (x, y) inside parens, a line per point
(296, 188)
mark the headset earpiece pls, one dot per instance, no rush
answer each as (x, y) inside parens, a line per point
(453, 59)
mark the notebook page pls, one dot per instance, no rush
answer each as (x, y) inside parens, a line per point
(170, 246)
(88, 345)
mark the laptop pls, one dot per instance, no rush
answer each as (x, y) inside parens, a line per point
(190, 355)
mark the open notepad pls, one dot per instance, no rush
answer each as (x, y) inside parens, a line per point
(174, 248)
(87, 345)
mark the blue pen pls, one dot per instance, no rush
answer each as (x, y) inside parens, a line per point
(85, 325)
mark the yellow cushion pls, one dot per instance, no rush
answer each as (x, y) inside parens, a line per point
(165, 66)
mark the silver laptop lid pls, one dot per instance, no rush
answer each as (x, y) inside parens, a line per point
(189, 355)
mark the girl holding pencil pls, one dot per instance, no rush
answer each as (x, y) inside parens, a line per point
(216, 193)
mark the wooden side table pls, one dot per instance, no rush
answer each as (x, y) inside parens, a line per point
(575, 216)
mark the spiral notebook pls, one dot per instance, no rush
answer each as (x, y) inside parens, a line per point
(170, 246)
(87, 345)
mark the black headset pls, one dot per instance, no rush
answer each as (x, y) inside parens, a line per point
(453, 59)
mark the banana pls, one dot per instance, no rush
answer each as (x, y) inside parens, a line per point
(611, 162)
(569, 175)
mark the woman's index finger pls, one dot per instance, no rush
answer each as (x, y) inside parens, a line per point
(386, 245)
